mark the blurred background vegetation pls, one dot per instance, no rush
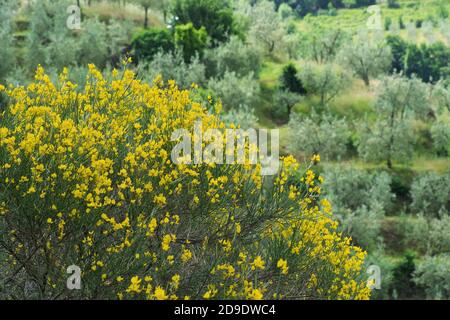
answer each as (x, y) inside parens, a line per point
(375, 103)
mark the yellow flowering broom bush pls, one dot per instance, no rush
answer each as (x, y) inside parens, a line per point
(86, 179)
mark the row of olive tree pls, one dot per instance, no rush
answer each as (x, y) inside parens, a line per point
(49, 42)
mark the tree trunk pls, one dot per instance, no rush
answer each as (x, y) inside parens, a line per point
(271, 46)
(289, 110)
(366, 80)
(389, 163)
(146, 18)
(391, 140)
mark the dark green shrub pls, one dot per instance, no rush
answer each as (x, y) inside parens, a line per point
(387, 23)
(398, 49)
(190, 40)
(148, 42)
(403, 285)
(216, 16)
(429, 63)
(393, 4)
(401, 185)
(290, 81)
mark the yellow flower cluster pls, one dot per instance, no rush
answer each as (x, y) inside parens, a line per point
(86, 179)
(282, 264)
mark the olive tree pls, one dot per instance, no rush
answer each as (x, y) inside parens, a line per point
(441, 96)
(440, 133)
(171, 66)
(425, 234)
(49, 42)
(430, 194)
(6, 39)
(243, 117)
(322, 45)
(235, 91)
(234, 56)
(325, 80)
(266, 29)
(366, 58)
(433, 273)
(327, 136)
(384, 140)
(399, 100)
(284, 102)
(93, 44)
(360, 200)
(439, 237)
(353, 188)
(146, 5)
(52, 44)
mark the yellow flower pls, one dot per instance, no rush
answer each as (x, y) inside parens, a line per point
(160, 294)
(226, 245)
(186, 255)
(160, 200)
(171, 259)
(211, 292)
(242, 258)
(290, 162)
(326, 205)
(176, 281)
(255, 294)
(228, 269)
(258, 263)
(152, 226)
(31, 190)
(282, 264)
(135, 285)
(196, 199)
(167, 239)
